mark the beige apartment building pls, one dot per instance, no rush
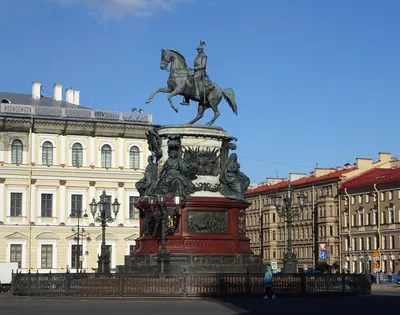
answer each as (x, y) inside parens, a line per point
(370, 220)
(55, 157)
(317, 225)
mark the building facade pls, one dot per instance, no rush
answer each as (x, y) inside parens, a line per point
(317, 225)
(370, 217)
(55, 158)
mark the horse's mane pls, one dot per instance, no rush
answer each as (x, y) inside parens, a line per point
(179, 54)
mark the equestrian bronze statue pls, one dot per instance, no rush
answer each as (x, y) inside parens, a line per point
(193, 84)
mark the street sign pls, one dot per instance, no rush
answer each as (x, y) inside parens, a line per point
(376, 270)
(274, 265)
(375, 254)
(323, 247)
(322, 255)
(376, 265)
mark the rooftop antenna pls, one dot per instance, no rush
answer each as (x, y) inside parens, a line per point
(316, 165)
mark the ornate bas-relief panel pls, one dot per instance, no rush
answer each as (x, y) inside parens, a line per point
(207, 221)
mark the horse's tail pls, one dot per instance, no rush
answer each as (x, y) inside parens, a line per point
(229, 96)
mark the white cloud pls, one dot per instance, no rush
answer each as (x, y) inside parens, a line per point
(110, 9)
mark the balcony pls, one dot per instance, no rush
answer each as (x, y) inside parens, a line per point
(74, 113)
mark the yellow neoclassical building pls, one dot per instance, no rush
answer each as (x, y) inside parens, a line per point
(55, 157)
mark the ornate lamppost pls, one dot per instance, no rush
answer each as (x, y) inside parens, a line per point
(78, 215)
(166, 218)
(288, 212)
(104, 216)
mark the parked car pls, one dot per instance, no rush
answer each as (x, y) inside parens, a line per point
(1, 287)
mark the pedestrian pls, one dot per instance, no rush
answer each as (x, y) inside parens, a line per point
(269, 293)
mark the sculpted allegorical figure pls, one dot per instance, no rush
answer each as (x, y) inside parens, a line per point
(173, 176)
(149, 180)
(234, 183)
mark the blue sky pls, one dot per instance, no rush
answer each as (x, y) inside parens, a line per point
(315, 81)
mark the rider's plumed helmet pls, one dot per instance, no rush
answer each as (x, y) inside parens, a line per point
(200, 47)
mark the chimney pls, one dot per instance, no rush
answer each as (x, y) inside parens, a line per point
(384, 156)
(36, 90)
(363, 163)
(69, 95)
(296, 176)
(76, 97)
(57, 92)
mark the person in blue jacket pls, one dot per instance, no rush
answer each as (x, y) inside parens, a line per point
(269, 293)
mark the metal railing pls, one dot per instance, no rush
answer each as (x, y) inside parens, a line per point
(77, 113)
(184, 285)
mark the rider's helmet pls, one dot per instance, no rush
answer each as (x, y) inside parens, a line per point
(200, 47)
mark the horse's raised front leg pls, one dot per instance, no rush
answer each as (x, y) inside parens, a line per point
(171, 95)
(160, 90)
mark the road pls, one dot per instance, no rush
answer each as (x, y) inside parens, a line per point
(10, 304)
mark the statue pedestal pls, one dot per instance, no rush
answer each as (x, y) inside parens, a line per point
(210, 238)
(210, 229)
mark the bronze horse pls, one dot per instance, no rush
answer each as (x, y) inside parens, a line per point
(180, 82)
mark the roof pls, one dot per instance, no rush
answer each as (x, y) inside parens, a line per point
(26, 99)
(375, 176)
(302, 181)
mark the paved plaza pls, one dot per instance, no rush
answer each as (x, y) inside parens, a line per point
(231, 306)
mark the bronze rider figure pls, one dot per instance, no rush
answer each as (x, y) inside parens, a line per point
(199, 73)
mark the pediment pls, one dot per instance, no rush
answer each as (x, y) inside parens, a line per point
(133, 237)
(16, 236)
(47, 236)
(109, 236)
(72, 237)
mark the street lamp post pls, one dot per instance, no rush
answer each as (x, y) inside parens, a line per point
(289, 213)
(162, 212)
(77, 215)
(104, 216)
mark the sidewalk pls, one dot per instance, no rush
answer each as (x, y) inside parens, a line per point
(385, 287)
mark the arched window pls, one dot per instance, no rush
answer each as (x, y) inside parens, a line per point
(47, 153)
(77, 151)
(134, 157)
(106, 156)
(16, 152)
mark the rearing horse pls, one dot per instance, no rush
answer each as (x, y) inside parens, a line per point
(180, 82)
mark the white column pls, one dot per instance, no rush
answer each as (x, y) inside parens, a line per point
(62, 151)
(92, 151)
(33, 203)
(63, 201)
(33, 148)
(120, 150)
(122, 209)
(3, 200)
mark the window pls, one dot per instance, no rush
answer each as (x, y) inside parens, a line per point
(134, 157)
(368, 219)
(391, 242)
(367, 198)
(273, 236)
(391, 215)
(390, 195)
(369, 241)
(383, 217)
(383, 245)
(16, 254)
(47, 257)
(16, 205)
(16, 152)
(273, 218)
(75, 259)
(47, 205)
(76, 206)
(132, 248)
(77, 155)
(133, 212)
(47, 153)
(361, 218)
(106, 156)
(331, 230)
